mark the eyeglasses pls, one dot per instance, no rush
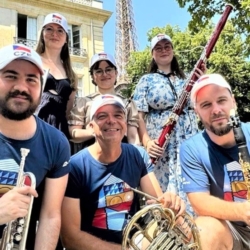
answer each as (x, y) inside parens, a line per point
(108, 71)
(160, 49)
(50, 31)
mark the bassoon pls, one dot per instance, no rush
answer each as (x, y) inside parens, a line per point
(168, 127)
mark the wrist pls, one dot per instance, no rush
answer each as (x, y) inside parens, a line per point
(146, 144)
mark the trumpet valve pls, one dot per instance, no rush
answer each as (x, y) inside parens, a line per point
(19, 229)
(21, 221)
(17, 237)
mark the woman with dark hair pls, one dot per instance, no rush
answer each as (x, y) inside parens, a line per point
(155, 96)
(61, 83)
(103, 71)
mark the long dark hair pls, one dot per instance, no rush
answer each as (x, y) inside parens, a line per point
(96, 66)
(153, 67)
(65, 57)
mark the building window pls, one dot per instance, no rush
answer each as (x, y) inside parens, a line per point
(80, 91)
(22, 26)
(76, 37)
(26, 27)
(75, 40)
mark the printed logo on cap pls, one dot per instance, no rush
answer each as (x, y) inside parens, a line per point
(107, 96)
(103, 56)
(21, 51)
(160, 37)
(56, 19)
(202, 79)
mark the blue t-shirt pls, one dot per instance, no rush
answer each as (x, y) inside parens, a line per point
(106, 200)
(207, 167)
(48, 157)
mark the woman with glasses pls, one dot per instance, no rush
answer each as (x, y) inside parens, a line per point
(61, 83)
(103, 72)
(155, 96)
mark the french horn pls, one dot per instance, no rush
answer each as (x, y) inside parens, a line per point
(155, 227)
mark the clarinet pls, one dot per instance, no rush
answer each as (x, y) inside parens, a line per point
(168, 127)
(244, 157)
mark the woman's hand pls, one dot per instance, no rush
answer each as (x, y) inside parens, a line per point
(201, 71)
(153, 149)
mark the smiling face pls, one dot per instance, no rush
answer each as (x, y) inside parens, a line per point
(104, 76)
(163, 52)
(54, 36)
(20, 90)
(213, 105)
(109, 123)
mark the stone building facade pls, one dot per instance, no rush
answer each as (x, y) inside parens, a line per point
(21, 22)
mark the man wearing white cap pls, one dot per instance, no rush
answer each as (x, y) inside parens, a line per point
(212, 176)
(21, 82)
(98, 200)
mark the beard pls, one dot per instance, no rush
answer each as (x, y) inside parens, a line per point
(220, 130)
(17, 114)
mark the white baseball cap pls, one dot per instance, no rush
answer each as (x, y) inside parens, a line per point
(158, 38)
(103, 100)
(58, 19)
(102, 56)
(19, 51)
(205, 80)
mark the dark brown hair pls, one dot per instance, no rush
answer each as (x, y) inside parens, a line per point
(153, 67)
(65, 57)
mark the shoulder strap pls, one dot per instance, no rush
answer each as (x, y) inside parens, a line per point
(169, 81)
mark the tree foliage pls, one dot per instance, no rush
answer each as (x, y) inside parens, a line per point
(202, 11)
(227, 58)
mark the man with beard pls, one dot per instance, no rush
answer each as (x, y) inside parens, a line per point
(48, 150)
(212, 176)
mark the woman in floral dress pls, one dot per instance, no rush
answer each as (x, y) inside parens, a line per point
(155, 95)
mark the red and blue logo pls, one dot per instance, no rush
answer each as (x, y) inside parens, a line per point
(57, 17)
(160, 37)
(21, 48)
(201, 79)
(102, 56)
(107, 97)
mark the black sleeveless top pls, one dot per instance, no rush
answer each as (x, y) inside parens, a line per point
(52, 108)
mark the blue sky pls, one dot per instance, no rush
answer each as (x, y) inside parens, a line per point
(147, 14)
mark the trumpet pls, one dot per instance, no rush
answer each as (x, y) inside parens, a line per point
(17, 230)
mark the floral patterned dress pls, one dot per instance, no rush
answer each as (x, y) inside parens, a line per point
(155, 96)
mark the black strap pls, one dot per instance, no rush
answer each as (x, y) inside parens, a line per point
(170, 83)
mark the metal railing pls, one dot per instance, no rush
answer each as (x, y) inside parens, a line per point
(77, 52)
(33, 43)
(30, 43)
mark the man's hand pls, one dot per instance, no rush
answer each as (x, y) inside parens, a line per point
(245, 212)
(15, 203)
(172, 201)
